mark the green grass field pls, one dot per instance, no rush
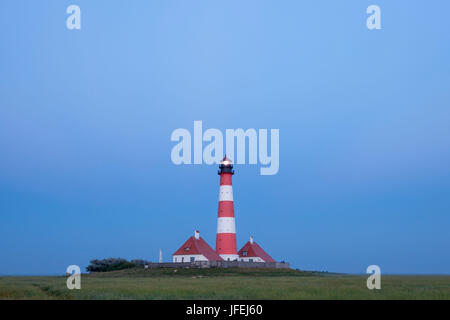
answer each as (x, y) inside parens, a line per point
(230, 283)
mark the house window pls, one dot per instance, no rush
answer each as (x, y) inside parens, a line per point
(187, 249)
(182, 259)
(192, 259)
(251, 260)
(244, 253)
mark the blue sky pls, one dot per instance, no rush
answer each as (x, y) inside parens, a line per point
(86, 117)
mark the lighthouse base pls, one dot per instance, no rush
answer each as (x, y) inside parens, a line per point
(229, 257)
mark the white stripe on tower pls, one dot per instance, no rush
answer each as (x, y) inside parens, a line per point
(226, 225)
(226, 193)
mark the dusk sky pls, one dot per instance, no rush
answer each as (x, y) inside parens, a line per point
(86, 118)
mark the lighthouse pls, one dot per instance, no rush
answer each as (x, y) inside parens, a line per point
(226, 227)
(196, 250)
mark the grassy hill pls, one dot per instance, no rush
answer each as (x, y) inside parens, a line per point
(232, 283)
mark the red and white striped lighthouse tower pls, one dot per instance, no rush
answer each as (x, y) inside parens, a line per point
(226, 227)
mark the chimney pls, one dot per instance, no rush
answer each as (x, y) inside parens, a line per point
(251, 240)
(197, 234)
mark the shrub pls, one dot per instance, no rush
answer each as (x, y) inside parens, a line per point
(109, 264)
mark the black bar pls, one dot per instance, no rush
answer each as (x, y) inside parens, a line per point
(267, 309)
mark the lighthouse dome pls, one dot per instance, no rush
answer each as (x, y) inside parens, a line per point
(226, 166)
(225, 161)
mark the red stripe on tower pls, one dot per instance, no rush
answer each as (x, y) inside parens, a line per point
(226, 227)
